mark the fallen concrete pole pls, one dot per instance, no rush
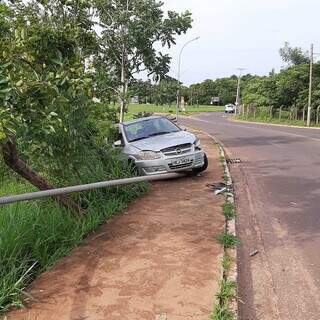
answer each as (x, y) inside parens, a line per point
(85, 187)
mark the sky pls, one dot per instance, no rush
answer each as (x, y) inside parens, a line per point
(241, 33)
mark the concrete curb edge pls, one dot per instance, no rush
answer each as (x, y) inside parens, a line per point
(230, 227)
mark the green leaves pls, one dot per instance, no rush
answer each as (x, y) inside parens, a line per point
(129, 35)
(293, 55)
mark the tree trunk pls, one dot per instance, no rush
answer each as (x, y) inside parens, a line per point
(10, 156)
(124, 88)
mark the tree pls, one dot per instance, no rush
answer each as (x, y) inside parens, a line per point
(292, 85)
(293, 55)
(260, 91)
(166, 90)
(226, 89)
(129, 31)
(142, 89)
(43, 83)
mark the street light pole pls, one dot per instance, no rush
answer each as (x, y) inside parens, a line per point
(310, 87)
(179, 73)
(238, 89)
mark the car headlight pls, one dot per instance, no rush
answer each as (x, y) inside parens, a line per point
(148, 155)
(197, 144)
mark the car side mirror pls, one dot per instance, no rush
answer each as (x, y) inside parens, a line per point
(183, 128)
(118, 144)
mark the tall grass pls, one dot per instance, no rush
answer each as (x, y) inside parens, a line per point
(35, 235)
(262, 114)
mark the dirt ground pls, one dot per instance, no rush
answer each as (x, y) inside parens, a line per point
(157, 260)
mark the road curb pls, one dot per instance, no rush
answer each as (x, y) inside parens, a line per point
(230, 227)
(274, 124)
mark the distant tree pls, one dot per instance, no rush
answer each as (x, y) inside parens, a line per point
(226, 89)
(143, 89)
(260, 91)
(293, 55)
(166, 91)
(292, 85)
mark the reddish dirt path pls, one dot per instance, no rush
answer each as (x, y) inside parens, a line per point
(159, 257)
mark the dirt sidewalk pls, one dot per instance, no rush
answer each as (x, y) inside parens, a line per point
(159, 259)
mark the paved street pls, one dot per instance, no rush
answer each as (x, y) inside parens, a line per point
(278, 192)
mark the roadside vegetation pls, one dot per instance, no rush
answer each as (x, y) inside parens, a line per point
(290, 116)
(134, 109)
(35, 235)
(58, 82)
(283, 97)
(225, 296)
(280, 97)
(228, 210)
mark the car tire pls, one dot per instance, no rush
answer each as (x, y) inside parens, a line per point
(203, 168)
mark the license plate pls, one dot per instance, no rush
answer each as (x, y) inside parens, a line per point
(181, 161)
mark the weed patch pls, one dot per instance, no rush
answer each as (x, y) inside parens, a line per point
(229, 241)
(226, 262)
(228, 211)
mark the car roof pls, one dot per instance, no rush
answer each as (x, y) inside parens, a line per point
(140, 120)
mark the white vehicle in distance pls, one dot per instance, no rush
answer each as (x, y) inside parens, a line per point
(229, 108)
(155, 145)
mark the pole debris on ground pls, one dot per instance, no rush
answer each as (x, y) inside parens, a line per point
(219, 188)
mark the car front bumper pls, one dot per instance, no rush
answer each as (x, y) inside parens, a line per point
(171, 164)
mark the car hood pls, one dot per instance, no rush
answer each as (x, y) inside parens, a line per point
(158, 143)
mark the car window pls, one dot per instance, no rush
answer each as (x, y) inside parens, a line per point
(149, 128)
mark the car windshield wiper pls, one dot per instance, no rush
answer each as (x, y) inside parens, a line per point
(141, 138)
(160, 133)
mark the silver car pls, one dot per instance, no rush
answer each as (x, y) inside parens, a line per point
(156, 145)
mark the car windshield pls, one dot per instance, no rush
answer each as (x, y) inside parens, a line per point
(149, 128)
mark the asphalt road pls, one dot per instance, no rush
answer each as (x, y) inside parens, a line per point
(278, 198)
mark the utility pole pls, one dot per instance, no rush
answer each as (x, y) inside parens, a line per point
(238, 99)
(310, 87)
(179, 73)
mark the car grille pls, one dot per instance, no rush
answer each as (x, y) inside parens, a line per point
(181, 166)
(177, 150)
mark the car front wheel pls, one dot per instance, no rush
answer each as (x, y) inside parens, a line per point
(204, 167)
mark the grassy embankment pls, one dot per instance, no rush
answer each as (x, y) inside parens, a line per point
(264, 117)
(34, 235)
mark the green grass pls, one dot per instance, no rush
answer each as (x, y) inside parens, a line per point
(35, 235)
(226, 293)
(228, 210)
(275, 120)
(226, 262)
(225, 178)
(228, 240)
(136, 108)
(222, 312)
